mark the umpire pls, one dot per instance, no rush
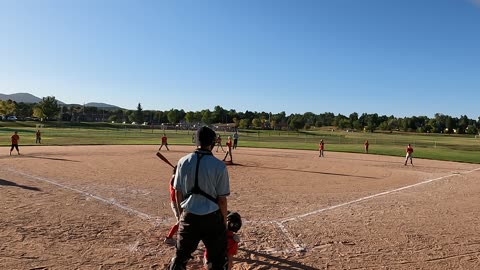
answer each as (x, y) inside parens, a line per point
(201, 188)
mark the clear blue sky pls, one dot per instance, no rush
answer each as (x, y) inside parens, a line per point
(409, 57)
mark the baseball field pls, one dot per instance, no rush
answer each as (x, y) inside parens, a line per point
(107, 207)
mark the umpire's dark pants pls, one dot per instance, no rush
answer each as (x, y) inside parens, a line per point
(210, 229)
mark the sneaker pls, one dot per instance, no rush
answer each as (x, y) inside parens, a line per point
(169, 241)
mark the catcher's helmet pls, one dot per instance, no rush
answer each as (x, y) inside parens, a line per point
(205, 136)
(234, 222)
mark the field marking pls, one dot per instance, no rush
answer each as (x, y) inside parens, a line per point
(280, 223)
(96, 197)
(367, 198)
(290, 237)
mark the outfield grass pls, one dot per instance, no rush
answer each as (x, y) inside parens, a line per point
(431, 146)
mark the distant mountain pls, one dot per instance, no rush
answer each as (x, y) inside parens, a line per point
(29, 98)
(102, 105)
(21, 97)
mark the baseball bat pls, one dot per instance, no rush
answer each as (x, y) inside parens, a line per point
(162, 157)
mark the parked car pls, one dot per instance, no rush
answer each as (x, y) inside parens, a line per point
(12, 118)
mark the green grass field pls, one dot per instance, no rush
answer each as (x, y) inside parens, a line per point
(430, 146)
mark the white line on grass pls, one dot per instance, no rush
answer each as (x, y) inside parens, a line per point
(87, 194)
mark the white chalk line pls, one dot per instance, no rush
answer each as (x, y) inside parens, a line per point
(279, 223)
(290, 237)
(298, 247)
(96, 197)
(139, 213)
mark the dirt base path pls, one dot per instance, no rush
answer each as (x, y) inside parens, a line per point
(107, 207)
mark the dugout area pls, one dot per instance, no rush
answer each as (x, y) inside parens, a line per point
(107, 207)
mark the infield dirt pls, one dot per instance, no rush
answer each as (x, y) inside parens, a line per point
(107, 207)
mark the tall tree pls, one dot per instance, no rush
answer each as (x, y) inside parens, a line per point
(296, 121)
(47, 108)
(256, 123)
(463, 123)
(190, 117)
(207, 117)
(7, 107)
(219, 115)
(175, 116)
(139, 118)
(24, 110)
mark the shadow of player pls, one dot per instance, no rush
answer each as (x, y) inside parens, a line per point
(13, 184)
(277, 263)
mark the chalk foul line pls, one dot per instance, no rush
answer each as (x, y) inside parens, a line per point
(280, 223)
(366, 198)
(298, 248)
(96, 197)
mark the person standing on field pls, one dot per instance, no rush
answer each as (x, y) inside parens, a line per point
(229, 149)
(201, 188)
(366, 144)
(219, 143)
(38, 137)
(409, 155)
(234, 223)
(164, 142)
(321, 147)
(235, 139)
(15, 138)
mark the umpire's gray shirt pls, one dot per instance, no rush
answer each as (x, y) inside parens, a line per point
(212, 179)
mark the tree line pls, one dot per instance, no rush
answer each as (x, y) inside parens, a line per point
(49, 109)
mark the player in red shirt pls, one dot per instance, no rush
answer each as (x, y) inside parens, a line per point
(164, 142)
(38, 137)
(15, 138)
(366, 144)
(173, 202)
(409, 155)
(229, 149)
(321, 147)
(234, 223)
(218, 142)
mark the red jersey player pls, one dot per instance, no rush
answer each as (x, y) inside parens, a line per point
(234, 223)
(321, 147)
(409, 155)
(164, 142)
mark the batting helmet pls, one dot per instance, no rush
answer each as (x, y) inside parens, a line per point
(205, 136)
(234, 222)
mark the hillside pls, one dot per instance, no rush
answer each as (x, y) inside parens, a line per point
(29, 98)
(102, 105)
(21, 97)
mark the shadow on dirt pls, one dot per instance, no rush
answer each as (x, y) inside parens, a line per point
(275, 262)
(13, 184)
(305, 171)
(51, 158)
